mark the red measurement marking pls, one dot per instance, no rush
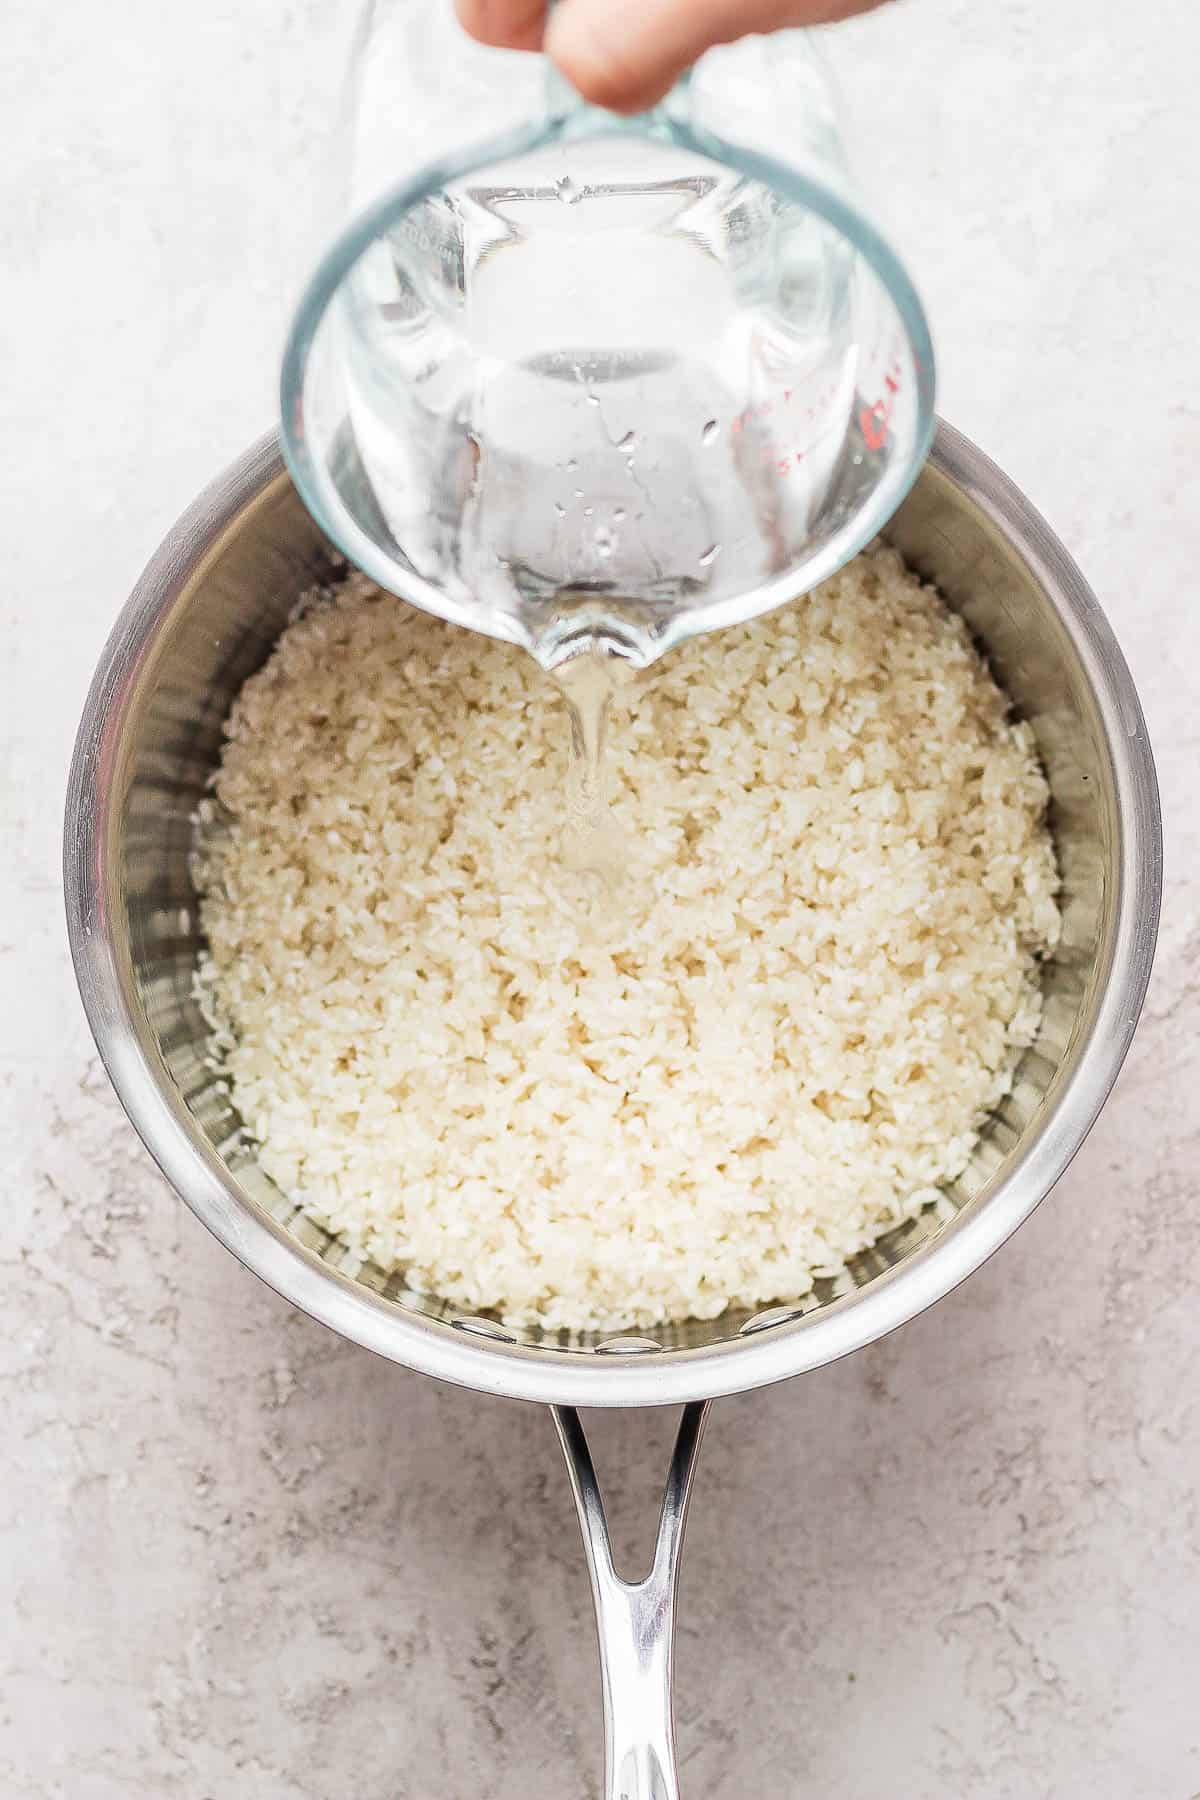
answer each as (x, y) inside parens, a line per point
(875, 421)
(762, 409)
(872, 422)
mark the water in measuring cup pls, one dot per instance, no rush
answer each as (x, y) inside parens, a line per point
(592, 405)
(597, 402)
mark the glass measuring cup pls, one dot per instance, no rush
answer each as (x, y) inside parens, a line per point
(578, 380)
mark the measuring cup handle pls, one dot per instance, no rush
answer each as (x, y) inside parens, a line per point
(635, 1620)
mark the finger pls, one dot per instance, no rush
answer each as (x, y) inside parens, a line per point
(626, 54)
(510, 24)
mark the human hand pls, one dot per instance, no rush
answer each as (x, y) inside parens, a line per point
(626, 54)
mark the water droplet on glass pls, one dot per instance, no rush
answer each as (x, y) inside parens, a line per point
(572, 465)
(628, 443)
(856, 459)
(578, 493)
(606, 543)
(588, 511)
(560, 509)
(619, 514)
(710, 555)
(566, 190)
(593, 399)
(710, 431)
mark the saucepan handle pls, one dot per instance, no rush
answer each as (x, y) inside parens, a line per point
(635, 1620)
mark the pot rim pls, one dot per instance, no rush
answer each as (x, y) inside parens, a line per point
(580, 1377)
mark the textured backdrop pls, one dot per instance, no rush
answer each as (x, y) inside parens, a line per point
(249, 1562)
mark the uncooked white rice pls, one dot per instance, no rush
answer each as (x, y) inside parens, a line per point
(807, 993)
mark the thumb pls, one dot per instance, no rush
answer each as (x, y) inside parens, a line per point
(626, 54)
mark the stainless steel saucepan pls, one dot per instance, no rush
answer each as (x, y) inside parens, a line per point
(206, 614)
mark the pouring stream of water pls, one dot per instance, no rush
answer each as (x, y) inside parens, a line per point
(591, 840)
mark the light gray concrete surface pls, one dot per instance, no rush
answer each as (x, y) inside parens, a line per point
(244, 1561)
